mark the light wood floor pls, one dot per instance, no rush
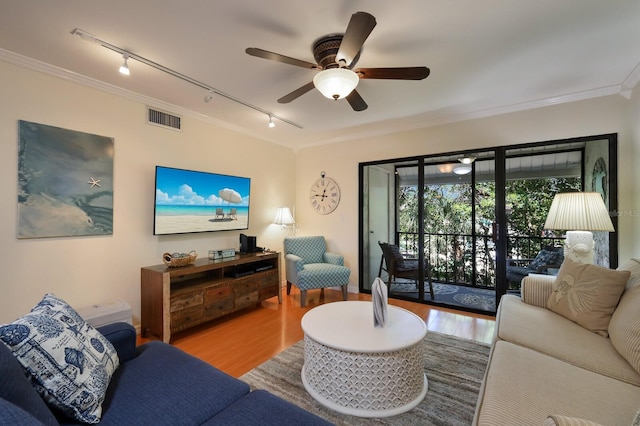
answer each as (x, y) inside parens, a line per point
(241, 341)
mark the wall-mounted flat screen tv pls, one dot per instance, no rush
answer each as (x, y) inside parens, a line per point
(189, 201)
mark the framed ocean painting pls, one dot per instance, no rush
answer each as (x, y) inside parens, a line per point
(65, 182)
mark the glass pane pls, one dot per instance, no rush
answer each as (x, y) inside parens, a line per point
(532, 180)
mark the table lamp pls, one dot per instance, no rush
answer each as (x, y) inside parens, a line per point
(284, 217)
(579, 213)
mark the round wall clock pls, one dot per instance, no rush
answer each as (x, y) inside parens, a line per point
(324, 195)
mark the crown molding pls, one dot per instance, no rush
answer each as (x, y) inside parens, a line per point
(64, 74)
(523, 106)
(630, 82)
(427, 120)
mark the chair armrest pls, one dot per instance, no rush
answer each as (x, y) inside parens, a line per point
(334, 258)
(293, 265)
(536, 289)
(123, 338)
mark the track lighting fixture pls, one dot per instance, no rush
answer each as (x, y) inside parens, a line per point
(124, 68)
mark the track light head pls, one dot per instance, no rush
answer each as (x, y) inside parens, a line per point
(124, 68)
(271, 123)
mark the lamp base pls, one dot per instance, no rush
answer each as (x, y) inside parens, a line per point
(579, 246)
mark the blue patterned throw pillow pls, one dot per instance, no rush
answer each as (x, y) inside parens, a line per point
(68, 361)
(544, 258)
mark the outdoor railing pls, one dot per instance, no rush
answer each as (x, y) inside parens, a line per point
(455, 259)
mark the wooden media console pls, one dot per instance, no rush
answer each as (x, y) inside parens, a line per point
(174, 299)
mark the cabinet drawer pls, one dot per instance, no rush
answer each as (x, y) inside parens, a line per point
(218, 293)
(218, 308)
(269, 279)
(186, 300)
(267, 292)
(246, 299)
(245, 285)
(186, 318)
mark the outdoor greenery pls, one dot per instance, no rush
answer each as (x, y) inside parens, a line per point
(449, 222)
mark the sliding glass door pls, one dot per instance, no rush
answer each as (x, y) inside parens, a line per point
(441, 212)
(472, 216)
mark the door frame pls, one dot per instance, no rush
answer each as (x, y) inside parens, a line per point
(500, 202)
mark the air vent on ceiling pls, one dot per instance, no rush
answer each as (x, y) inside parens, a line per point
(164, 119)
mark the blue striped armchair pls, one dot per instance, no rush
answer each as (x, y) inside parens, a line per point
(309, 266)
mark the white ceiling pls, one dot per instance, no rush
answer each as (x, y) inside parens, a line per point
(486, 57)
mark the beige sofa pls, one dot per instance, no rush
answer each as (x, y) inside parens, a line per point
(545, 369)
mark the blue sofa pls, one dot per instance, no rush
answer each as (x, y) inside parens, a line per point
(155, 384)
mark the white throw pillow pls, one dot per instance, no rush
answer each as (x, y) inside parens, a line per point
(68, 361)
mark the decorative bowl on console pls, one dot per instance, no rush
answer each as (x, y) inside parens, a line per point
(173, 260)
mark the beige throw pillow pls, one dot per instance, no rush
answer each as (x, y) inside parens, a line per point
(587, 294)
(633, 266)
(624, 328)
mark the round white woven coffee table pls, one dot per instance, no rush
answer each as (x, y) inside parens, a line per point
(354, 368)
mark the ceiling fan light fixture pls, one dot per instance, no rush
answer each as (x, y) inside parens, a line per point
(336, 83)
(462, 169)
(124, 68)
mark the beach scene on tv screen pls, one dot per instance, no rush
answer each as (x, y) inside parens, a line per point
(190, 201)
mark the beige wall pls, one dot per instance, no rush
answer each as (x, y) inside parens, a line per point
(88, 270)
(603, 115)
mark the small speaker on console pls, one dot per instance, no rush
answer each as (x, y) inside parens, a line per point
(248, 244)
(251, 244)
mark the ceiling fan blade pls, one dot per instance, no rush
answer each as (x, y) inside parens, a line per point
(296, 93)
(265, 54)
(356, 101)
(359, 28)
(406, 73)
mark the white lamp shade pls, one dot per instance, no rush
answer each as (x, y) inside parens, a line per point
(336, 83)
(579, 211)
(283, 217)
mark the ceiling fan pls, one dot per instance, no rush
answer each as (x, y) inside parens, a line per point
(335, 56)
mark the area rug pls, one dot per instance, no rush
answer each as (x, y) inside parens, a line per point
(450, 294)
(454, 368)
